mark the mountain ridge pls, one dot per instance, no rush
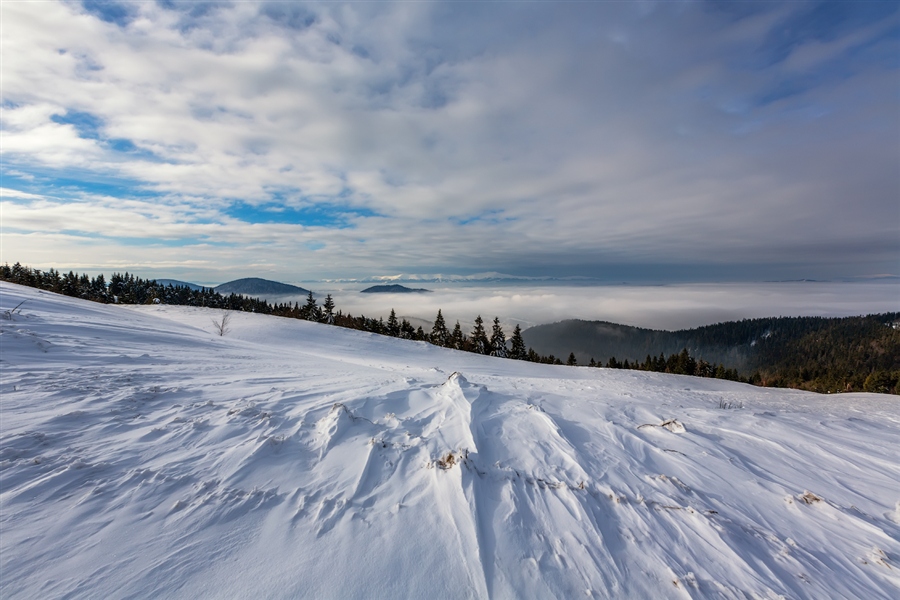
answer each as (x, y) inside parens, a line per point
(393, 288)
(255, 286)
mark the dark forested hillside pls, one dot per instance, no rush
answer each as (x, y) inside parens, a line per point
(852, 353)
(815, 353)
(727, 343)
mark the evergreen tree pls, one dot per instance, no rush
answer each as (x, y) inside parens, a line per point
(518, 351)
(571, 361)
(704, 369)
(115, 288)
(660, 366)
(593, 362)
(457, 339)
(393, 326)
(98, 289)
(310, 310)
(70, 284)
(479, 340)
(684, 364)
(328, 316)
(407, 331)
(439, 334)
(498, 340)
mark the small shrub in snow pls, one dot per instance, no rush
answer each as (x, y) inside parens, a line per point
(221, 325)
(8, 314)
(447, 462)
(724, 404)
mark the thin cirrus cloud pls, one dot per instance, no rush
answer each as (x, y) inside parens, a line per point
(683, 141)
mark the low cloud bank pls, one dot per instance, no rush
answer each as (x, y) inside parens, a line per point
(668, 307)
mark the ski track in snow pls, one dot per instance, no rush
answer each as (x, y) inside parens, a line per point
(143, 456)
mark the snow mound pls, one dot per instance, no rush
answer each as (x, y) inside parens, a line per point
(142, 455)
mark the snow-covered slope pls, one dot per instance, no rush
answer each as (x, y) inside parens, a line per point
(143, 456)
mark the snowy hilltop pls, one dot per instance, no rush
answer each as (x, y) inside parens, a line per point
(144, 455)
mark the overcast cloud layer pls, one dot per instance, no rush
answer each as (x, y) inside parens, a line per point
(689, 141)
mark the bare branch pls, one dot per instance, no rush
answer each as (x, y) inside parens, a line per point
(221, 325)
(9, 313)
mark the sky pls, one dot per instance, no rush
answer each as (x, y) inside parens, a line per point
(629, 141)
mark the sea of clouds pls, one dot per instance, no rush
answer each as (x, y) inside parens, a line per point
(671, 307)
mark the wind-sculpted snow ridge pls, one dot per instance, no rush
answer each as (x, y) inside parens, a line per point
(142, 455)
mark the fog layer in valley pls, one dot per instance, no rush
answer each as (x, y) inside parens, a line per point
(668, 307)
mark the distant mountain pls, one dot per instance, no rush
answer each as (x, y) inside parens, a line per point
(254, 286)
(176, 283)
(394, 289)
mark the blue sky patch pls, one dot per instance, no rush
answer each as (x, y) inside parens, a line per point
(111, 12)
(142, 242)
(126, 146)
(63, 184)
(820, 22)
(90, 127)
(87, 125)
(122, 145)
(309, 216)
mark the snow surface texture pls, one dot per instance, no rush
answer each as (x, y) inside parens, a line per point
(143, 456)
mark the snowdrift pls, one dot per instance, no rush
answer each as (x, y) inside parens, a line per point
(142, 455)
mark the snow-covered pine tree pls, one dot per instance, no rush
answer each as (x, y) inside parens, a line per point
(328, 316)
(479, 340)
(310, 309)
(439, 334)
(498, 340)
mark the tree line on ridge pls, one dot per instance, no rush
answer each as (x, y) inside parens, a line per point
(824, 355)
